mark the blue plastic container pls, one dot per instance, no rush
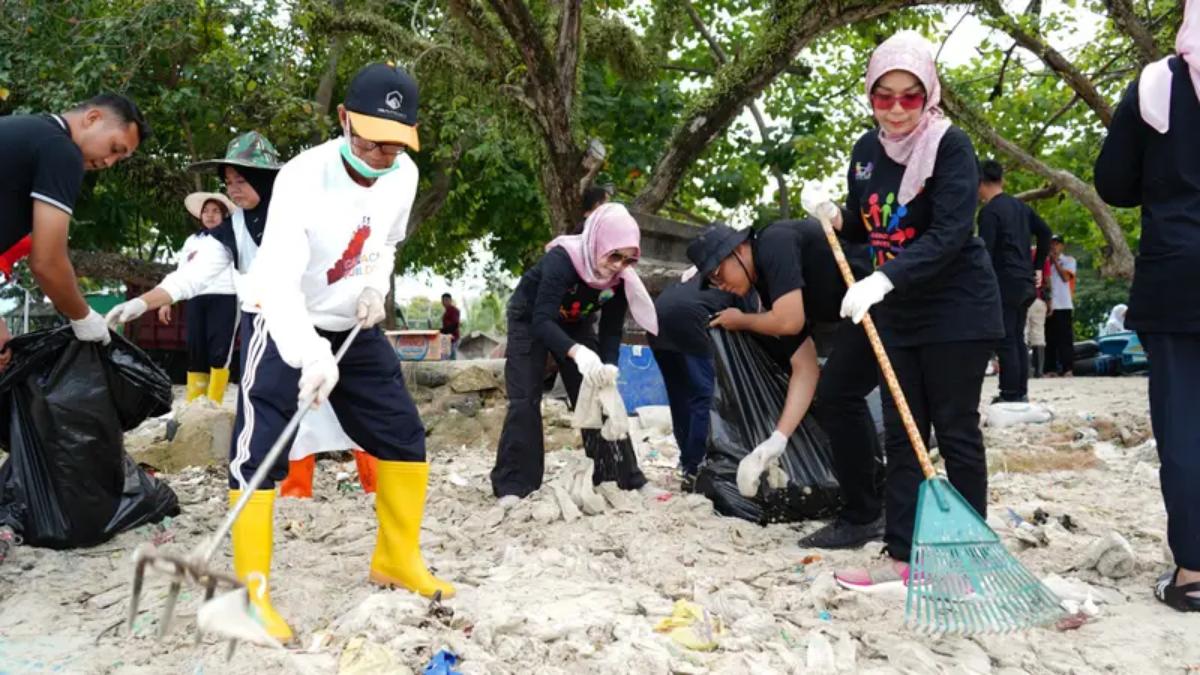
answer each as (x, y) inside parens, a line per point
(640, 382)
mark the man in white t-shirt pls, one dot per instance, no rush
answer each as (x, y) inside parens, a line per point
(327, 254)
(1060, 327)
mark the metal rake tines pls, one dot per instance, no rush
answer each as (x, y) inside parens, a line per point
(181, 569)
(975, 589)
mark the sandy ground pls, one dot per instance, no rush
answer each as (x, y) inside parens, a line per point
(539, 594)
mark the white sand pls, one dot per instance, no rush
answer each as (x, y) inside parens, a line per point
(539, 594)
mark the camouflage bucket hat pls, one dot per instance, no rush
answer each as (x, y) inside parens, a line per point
(251, 150)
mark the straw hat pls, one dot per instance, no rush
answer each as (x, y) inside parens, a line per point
(195, 202)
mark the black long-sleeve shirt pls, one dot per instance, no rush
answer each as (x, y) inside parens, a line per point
(1007, 227)
(1138, 166)
(684, 310)
(557, 304)
(945, 289)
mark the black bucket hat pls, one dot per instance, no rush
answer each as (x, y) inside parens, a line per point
(715, 244)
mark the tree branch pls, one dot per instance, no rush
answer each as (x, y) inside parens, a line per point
(722, 60)
(797, 23)
(567, 54)
(1126, 19)
(1044, 192)
(1053, 59)
(1117, 258)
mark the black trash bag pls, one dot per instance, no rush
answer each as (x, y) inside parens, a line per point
(612, 460)
(747, 399)
(64, 408)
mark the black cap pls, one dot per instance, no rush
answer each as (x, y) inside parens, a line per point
(382, 105)
(715, 244)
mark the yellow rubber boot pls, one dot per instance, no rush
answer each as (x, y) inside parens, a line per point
(197, 385)
(252, 544)
(218, 379)
(400, 507)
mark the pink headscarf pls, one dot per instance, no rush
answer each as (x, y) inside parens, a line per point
(1154, 88)
(916, 150)
(607, 229)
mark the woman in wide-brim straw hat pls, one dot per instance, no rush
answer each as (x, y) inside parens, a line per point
(212, 314)
(913, 186)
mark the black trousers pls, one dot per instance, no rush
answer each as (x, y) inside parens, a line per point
(211, 323)
(1014, 354)
(840, 407)
(942, 383)
(1174, 371)
(689, 379)
(1060, 341)
(370, 401)
(521, 454)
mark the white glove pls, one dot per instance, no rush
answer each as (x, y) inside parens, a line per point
(817, 201)
(588, 362)
(318, 375)
(91, 328)
(863, 294)
(125, 312)
(753, 465)
(370, 308)
(688, 274)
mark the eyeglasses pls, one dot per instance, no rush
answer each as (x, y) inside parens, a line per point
(617, 258)
(389, 149)
(907, 101)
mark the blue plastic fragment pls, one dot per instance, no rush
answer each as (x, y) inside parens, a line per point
(441, 664)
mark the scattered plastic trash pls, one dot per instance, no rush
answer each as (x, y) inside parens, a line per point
(363, 657)
(666, 496)
(810, 559)
(825, 615)
(1072, 622)
(458, 480)
(692, 626)
(442, 664)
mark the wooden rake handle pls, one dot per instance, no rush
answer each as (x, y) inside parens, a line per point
(885, 364)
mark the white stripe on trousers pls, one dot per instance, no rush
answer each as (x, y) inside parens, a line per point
(237, 323)
(254, 354)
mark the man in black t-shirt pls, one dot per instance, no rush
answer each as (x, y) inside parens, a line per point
(44, 157)
(791, 267)
(1007, 227)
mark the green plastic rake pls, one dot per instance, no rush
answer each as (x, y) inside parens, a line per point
(961, 578)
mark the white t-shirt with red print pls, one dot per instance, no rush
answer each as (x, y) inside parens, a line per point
(327, 239)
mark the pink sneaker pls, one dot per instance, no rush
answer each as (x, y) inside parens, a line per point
(889, 574)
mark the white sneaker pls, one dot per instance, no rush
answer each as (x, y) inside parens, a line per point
(508, 501)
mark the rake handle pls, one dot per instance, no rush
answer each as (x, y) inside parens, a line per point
(268, 461)
(885, 364)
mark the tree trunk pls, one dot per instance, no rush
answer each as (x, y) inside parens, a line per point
(1123, 15)
(337, 45)
(1117, 258)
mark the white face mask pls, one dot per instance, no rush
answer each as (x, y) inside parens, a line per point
(362, 168)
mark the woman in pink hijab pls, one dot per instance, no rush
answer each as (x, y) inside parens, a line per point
(913, 187)
(1151, 159)
(553, 311)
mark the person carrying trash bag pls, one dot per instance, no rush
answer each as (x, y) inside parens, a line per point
(212, 314)
(791, 267)
(913, 188)
(45, 157)
(1151, 159)
(551, 310)
(248, 171)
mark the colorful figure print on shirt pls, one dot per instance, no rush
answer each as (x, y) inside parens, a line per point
(573, 311)
(882, 220)
(351, 256)
(863, 172)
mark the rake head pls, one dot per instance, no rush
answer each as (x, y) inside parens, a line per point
(190, 569)
(961, 579)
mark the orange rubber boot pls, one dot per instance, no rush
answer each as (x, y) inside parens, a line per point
(299, 480)
(366, 464)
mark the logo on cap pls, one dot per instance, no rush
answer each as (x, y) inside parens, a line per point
(394, 100)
